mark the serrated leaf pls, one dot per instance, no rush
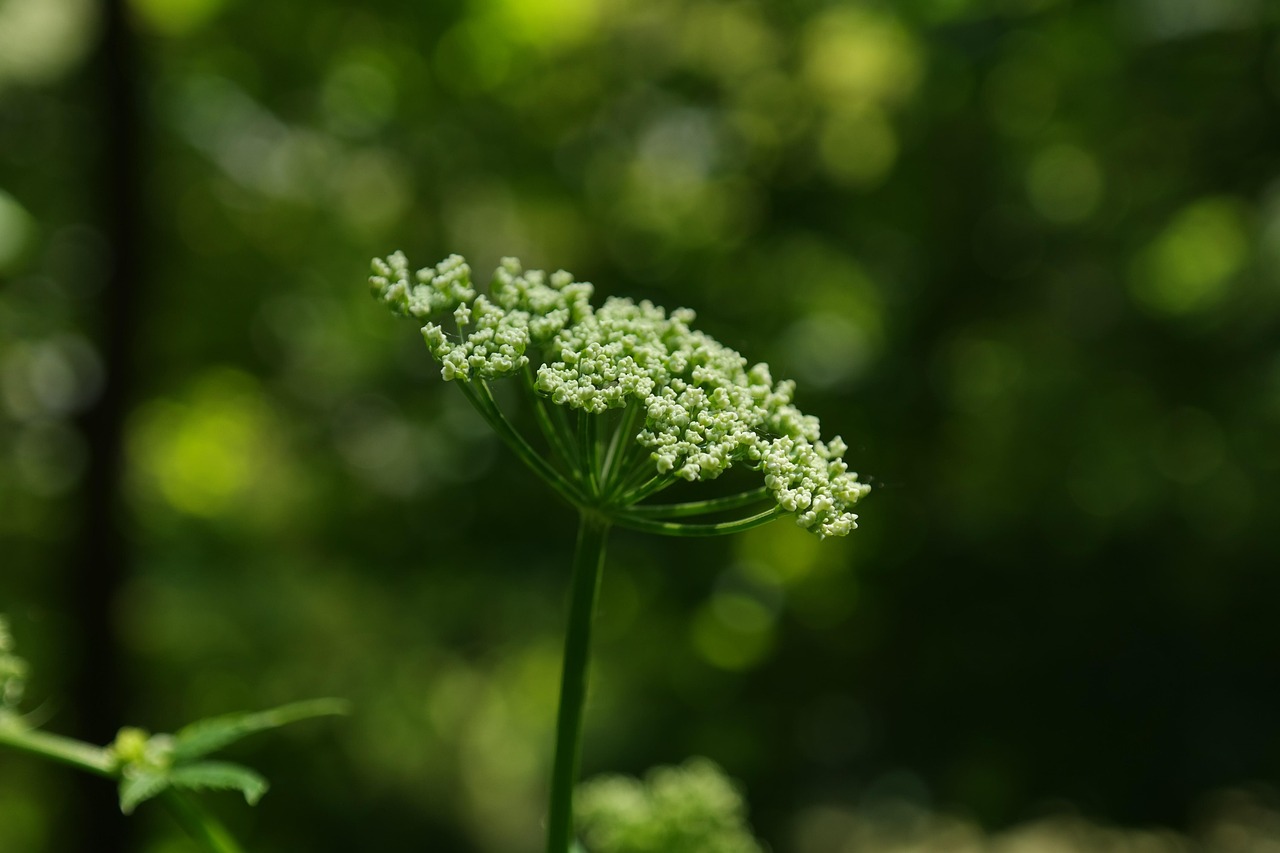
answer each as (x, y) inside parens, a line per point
(222, 776)
(206, 736)
(140, 786)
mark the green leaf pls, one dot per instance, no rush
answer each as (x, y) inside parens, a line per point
(222, 776)
(206, 736)
(140, 786)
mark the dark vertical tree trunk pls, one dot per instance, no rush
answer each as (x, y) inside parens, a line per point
(100, 551)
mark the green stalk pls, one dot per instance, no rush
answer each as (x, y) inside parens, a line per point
(635, 470)
(651, 486)
(673, 528)
(64, 750)
(588, 561)
(620, 445)
(553, 428)
(482, 401)
(587, 448)
(682, 510)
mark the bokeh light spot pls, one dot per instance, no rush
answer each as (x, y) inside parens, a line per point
(176, 17)
(1064, 184)
(1190, 264)
(729, 40)
(49, 458)
(206, 456)
(358, 96)
(549, 25)
(858, 146)
(733, 631)
(826, 350)
(51, 378)
(469, 58)
(860, 55)
(16, 228)
(40, 40)
(374, 190)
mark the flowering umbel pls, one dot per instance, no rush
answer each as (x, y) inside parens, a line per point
(699, 407)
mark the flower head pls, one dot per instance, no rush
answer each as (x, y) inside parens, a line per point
(703, 408)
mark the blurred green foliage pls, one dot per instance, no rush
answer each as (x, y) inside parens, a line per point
(692, 808)
(1021, 254)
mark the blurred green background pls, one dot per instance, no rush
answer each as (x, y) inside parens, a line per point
(1021, 254)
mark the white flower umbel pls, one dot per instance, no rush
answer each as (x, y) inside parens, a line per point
(653, 400)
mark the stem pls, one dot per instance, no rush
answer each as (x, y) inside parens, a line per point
(636, 469)
(619, 446)
(681, 510)
(588, 560)
(653, 485)
(587, 429)
(64, 750)
(552, 427)
(199, 824)
(673, 528)
(482, 400)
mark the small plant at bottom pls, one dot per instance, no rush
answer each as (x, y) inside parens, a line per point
(163, 766)
(628, 401)
(693, 808)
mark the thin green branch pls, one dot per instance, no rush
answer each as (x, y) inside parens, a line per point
(64, 750)
(634, 469)
(477, 391)
(588, 448)
(651, 486)
(691, 508)
(555, 429)
(600, 440)
(621, 445)
(559, 416)
(672, 528)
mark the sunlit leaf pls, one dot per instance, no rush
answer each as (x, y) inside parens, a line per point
(221, 776)
(139, 787)
(206, 736)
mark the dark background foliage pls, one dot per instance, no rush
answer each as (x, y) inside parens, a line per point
(1021, 254)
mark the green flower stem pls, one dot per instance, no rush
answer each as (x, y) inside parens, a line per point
(654, 484)
(560, 421)
(64, 750)
(551, 423)
(621, 445)
(482, 400)
(199, 824)
(635, 471)
(588, 560)
(588, 448)
(682, 510)
(671, 528)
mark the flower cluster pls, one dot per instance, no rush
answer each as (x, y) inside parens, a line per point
(13, 672)
(704, 409)
(691, 807)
